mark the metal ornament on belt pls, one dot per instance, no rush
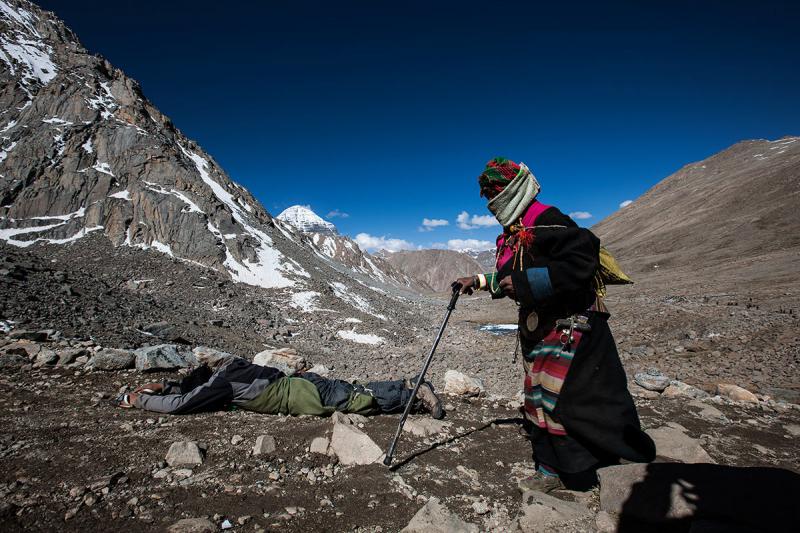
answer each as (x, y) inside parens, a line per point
(532, 322)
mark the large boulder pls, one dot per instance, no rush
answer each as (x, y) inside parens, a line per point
(287, 360)
(433, 517)
(675, 445)
(162, 357)
(111, 359)
(542, 512)
(354, 447)
(461, 384)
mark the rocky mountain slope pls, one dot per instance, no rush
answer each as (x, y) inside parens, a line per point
(714, 250)
(323, 239)
(83, 154)
(436, 268)
(723, 222)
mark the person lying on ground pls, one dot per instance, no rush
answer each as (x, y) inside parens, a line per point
(223, 382)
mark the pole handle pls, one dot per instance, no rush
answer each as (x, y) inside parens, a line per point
(456, 293)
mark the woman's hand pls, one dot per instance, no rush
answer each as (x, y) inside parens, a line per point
(507, 286)
(467, 284)
(150, 388)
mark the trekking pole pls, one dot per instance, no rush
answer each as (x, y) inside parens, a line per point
(390, 452)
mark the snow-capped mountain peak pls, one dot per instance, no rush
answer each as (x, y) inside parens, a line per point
(306, 220)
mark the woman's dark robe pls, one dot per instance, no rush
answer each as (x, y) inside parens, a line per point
(594, 404)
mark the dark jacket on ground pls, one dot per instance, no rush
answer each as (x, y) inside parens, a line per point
(234, 382)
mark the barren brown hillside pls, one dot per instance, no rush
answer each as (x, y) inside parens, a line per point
(725, 221)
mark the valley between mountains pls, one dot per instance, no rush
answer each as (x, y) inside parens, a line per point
(118, 234)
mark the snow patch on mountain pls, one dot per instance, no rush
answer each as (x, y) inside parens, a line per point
(359, 302)
(360, 338)
(306, 220)
(24, 49)
(305, 301)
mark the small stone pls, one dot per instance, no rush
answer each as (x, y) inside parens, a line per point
(109, 360)
(193, 525)
(182, 473)
(322, 370)
(677, 389)
(209, 356)
(45, 358)
(226, 524)
(460, 384)
(319, 445)
(236, 439)
(287, 360)
(68, 356)
(265, 445)
(184, 453)
(792, 429)
(433, 517)
(353, 446)
(480, 507)
(425, 427)
(652, 380)
(736, 393)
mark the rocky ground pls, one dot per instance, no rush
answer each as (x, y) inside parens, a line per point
(70, 460)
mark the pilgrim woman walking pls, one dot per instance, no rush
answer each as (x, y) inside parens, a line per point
(578, 411)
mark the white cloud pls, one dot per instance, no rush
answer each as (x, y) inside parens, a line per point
(626, 203)
(429, 223)
(336, 213)
(467, 221)
(580, 215)
(369, 242)
(469, 244)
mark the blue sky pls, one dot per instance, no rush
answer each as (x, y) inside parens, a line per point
(387, 111)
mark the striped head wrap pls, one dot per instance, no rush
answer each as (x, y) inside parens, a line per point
(499, 172)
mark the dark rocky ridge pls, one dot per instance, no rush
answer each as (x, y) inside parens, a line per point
(84, 151)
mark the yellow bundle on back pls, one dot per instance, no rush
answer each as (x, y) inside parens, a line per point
(609, 273)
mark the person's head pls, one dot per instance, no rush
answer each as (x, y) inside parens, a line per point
(499, 172)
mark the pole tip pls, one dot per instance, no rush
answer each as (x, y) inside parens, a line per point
(387, 460)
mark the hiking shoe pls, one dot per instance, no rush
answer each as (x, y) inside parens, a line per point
(540, 482)
(429, 400)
